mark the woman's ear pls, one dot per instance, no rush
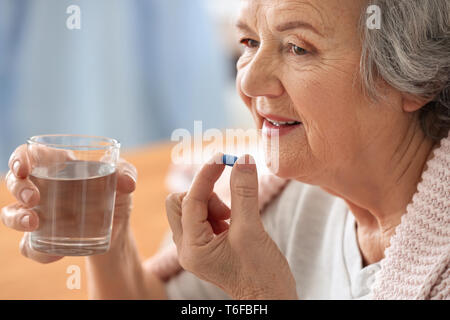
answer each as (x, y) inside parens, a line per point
(413, 103)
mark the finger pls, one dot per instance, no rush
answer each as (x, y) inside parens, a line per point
(29, 252)
(194, 218)
(219, 226)
(203, 183)
(126, 177)
(173, 210)
(217, 209)
(43, 155)
(123, 206)
(217, 212)
(244, 193)
(25, 157)
(19, 218)
(23, 190)
(19, 162)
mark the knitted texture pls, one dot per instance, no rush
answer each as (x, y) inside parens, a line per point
(417, 262)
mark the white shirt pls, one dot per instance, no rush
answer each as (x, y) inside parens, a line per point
(316, 232)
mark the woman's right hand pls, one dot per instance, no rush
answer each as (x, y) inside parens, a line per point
(20, 216)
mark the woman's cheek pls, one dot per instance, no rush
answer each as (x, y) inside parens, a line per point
(304, 150)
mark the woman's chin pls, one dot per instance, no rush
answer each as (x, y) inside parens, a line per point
(280, 169)
(283, 175)
(284, 162)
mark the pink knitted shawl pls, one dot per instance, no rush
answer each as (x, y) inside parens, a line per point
(417, 262)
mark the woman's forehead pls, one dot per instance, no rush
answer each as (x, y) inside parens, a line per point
(324, 15)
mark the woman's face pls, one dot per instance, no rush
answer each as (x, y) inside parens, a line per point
(301, 63)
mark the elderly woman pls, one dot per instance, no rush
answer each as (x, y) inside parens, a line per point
(363, 120)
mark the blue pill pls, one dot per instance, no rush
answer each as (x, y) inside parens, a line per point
(229, 160)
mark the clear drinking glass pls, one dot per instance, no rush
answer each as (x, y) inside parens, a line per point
(76, 178)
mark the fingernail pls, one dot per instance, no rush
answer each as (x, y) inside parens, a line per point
(16, 167)
(130, 175)
(25, 221)
(26, 195)
(248, 166)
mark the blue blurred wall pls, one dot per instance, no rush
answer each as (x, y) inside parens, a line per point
(137, 70)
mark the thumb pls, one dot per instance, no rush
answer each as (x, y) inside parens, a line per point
(244, 193)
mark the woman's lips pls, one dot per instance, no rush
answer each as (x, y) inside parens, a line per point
(270, 129)
(276, 124)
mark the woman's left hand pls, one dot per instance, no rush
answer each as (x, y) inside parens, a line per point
(239, 257)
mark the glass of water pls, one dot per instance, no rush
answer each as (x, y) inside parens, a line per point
(76, 178)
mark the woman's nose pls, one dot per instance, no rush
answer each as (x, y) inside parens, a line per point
(259, 78)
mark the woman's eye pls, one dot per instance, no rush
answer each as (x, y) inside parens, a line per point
(249, 43)
(298, 51)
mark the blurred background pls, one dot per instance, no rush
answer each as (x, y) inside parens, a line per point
(135, 71)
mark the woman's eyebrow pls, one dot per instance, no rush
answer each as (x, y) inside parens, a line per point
(241, 25)
(296, 25)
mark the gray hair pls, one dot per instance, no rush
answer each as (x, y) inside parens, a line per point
(411, 52)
